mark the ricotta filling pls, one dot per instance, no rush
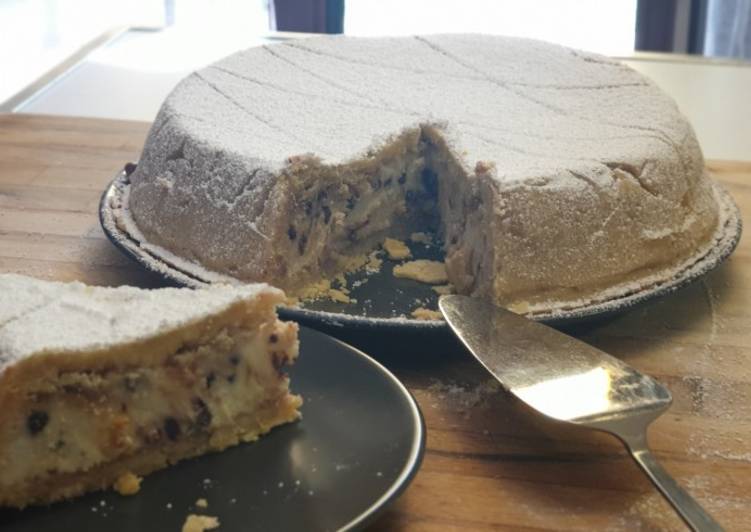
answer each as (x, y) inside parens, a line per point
(85, 419)
(340, 214)
(336, 216)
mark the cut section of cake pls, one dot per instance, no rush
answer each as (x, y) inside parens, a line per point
(100, 383)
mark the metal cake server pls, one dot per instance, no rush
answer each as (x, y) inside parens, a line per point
(570, 381)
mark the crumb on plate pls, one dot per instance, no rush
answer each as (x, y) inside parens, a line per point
(128, 484)
(323, 290)
(424, 271)
(444, 289)
(423, 313)
(396, 249)
(339, 295)
(200, 523)
(421, 238)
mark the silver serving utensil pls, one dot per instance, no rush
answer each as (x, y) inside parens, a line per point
(570, 381)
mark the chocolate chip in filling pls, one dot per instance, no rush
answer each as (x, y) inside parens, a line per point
(36, 421)
(171, 428)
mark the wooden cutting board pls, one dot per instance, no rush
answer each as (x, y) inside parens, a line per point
(489, 464)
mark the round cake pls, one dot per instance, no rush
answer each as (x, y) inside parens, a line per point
(553, 176)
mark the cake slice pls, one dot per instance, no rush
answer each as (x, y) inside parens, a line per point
(100, 384)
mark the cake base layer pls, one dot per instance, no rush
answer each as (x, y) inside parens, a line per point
(247, 428)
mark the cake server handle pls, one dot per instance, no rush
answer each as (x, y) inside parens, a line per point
(692, 513)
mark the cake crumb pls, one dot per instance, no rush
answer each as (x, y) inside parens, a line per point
(519, 307)
(200, 523)
(352, 263)
(315, 290)
(338, 295)
(444, 289)
(373, 263)
(424, 271)
(423, 313)
(396, 249)
(421, 238)
(202, 503)
(128, 484)
(323, 290)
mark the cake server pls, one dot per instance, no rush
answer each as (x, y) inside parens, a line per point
(570, 381)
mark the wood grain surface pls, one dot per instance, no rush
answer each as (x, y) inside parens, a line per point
(489, 463)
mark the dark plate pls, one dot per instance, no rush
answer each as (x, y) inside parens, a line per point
(383, 300)
(358, 445)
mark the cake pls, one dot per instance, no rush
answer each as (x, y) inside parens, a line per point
(101, 385)
(554, 177)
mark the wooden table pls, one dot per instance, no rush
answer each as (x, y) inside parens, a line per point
(489, 464)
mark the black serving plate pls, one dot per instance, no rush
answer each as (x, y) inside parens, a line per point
(358, 445)
(384, 302)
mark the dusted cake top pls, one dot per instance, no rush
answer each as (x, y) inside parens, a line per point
(40, 316)
(530, 107)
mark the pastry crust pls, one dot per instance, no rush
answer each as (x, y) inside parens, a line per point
(550, 174)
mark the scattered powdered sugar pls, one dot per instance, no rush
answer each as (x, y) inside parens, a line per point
(714, 500)
(103, 509)
(459, 397)
(649, 513)
(718, 446)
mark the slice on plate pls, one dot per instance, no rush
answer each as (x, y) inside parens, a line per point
(100, 384)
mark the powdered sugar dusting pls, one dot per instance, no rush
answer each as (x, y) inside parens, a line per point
(40, 316)
(723, 241)
(458, 397)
